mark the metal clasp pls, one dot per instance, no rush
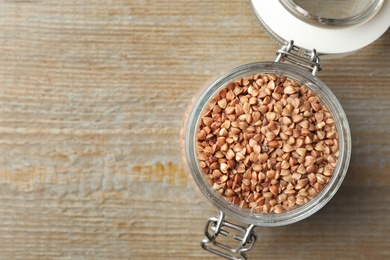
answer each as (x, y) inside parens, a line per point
(246, 238)
(304, 58)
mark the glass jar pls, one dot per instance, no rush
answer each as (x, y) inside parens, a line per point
(293, 62)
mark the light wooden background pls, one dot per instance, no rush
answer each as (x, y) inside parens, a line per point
(92, 95)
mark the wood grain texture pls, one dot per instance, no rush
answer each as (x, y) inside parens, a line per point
(92, 95)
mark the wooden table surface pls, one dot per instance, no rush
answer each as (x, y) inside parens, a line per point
(92, 95)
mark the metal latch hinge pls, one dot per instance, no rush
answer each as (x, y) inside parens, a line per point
(304, 58)
(215, 227)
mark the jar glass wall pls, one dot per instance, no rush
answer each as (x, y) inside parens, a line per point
(194, 115)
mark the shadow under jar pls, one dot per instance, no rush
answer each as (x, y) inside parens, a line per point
(250, 138)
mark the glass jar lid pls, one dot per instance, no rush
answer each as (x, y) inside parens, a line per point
(333, 12)
(335, 28)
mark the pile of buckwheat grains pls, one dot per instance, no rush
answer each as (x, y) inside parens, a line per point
(267, 143)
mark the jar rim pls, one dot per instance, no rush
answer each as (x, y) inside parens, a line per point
(267, 219)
